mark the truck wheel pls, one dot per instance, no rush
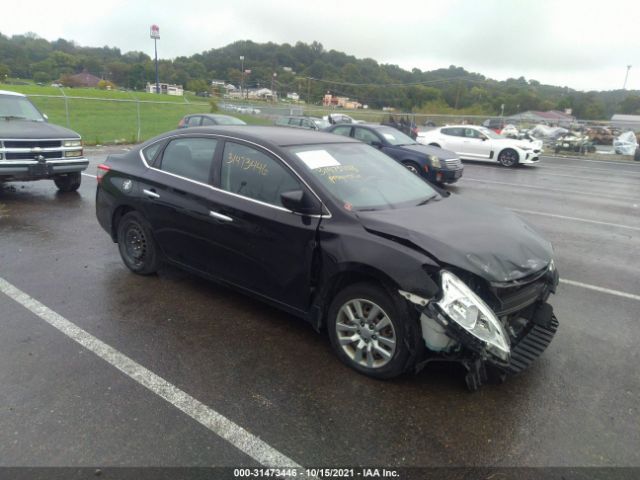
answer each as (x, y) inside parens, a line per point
(136, 244)
(69, 182)
(372, 333)
(508, 157)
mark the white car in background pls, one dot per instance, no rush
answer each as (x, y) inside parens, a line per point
(472, 142)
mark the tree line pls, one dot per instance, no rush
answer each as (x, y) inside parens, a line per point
(311, 71)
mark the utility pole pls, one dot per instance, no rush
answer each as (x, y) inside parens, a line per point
(273, 79)
(624, 87)
(241, 76)
(309, 90)
(155, 34)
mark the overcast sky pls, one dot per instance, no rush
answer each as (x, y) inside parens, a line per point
(578, 43)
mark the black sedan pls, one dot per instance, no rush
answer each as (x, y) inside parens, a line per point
(435, 164)
(335, 232)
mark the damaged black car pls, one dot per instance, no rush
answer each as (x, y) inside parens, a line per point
(398, 272)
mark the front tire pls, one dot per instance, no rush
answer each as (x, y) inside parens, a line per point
(136, 244)
(508, 157)
(372, 333)
(412, 167)
(69, 182)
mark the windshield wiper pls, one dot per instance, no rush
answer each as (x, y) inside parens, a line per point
(427, 200)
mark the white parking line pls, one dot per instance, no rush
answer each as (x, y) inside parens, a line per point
(576, 219)
(571, 168)
(88, 175)
(243, 440)
(551, 159)
(596, 179)
(601, 289)
(561, 190)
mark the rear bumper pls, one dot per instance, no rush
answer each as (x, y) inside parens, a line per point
(34, 170)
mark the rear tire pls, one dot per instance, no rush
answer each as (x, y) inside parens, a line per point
(69, 182)
(373, 333)
(434, 145)
(508, 157)
(137, 247)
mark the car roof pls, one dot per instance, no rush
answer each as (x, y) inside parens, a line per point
(270, 135)
(214, 115)
(15, 94)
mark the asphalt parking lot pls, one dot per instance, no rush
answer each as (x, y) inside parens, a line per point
(275, 381)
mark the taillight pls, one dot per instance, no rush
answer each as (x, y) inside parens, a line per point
(101, 172)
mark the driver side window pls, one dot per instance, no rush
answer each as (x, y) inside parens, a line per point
(471, 133)
(365, 136)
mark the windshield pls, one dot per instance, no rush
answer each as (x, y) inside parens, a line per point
(13, 106)
(489, 133)
(224, 120)
(363, 178)
(395, 137)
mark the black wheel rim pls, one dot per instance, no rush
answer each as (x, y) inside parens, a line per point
(412, 169)
(135, 244)
(508, 159)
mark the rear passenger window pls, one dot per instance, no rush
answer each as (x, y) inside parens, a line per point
(294, 122)
(151, 151)
(193, 121)
(454, 132)
(251, 173)
(207, 121)
(190, 158)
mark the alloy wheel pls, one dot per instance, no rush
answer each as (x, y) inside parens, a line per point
(365, 333)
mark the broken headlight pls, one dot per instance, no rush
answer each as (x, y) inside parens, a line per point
(462, 306)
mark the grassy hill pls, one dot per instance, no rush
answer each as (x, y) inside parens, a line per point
(107, 117)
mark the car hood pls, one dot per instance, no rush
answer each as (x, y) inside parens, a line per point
(441, 153)
(19, 129)
(481, 238)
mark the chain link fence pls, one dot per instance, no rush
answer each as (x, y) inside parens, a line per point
(109, 121)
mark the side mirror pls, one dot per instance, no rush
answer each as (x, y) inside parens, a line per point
(484, 139)
(376, 144)
(300, 202)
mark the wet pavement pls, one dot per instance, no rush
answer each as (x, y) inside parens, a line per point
(578, 405)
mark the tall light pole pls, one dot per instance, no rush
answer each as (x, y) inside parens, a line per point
(241, 75)
(624, 87)
(155, 34)
(273, 95)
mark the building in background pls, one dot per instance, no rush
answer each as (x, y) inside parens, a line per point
(166, 89)
(626, 122)
(550, 117)
(84, 79)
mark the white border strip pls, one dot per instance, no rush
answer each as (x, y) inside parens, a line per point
(560, 190)
(576, 219)
(240, 438)
(601, 289)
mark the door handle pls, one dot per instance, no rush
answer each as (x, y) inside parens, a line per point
(219, 216)
(150, 193)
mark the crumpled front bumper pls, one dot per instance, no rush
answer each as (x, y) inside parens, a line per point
(481, 365)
